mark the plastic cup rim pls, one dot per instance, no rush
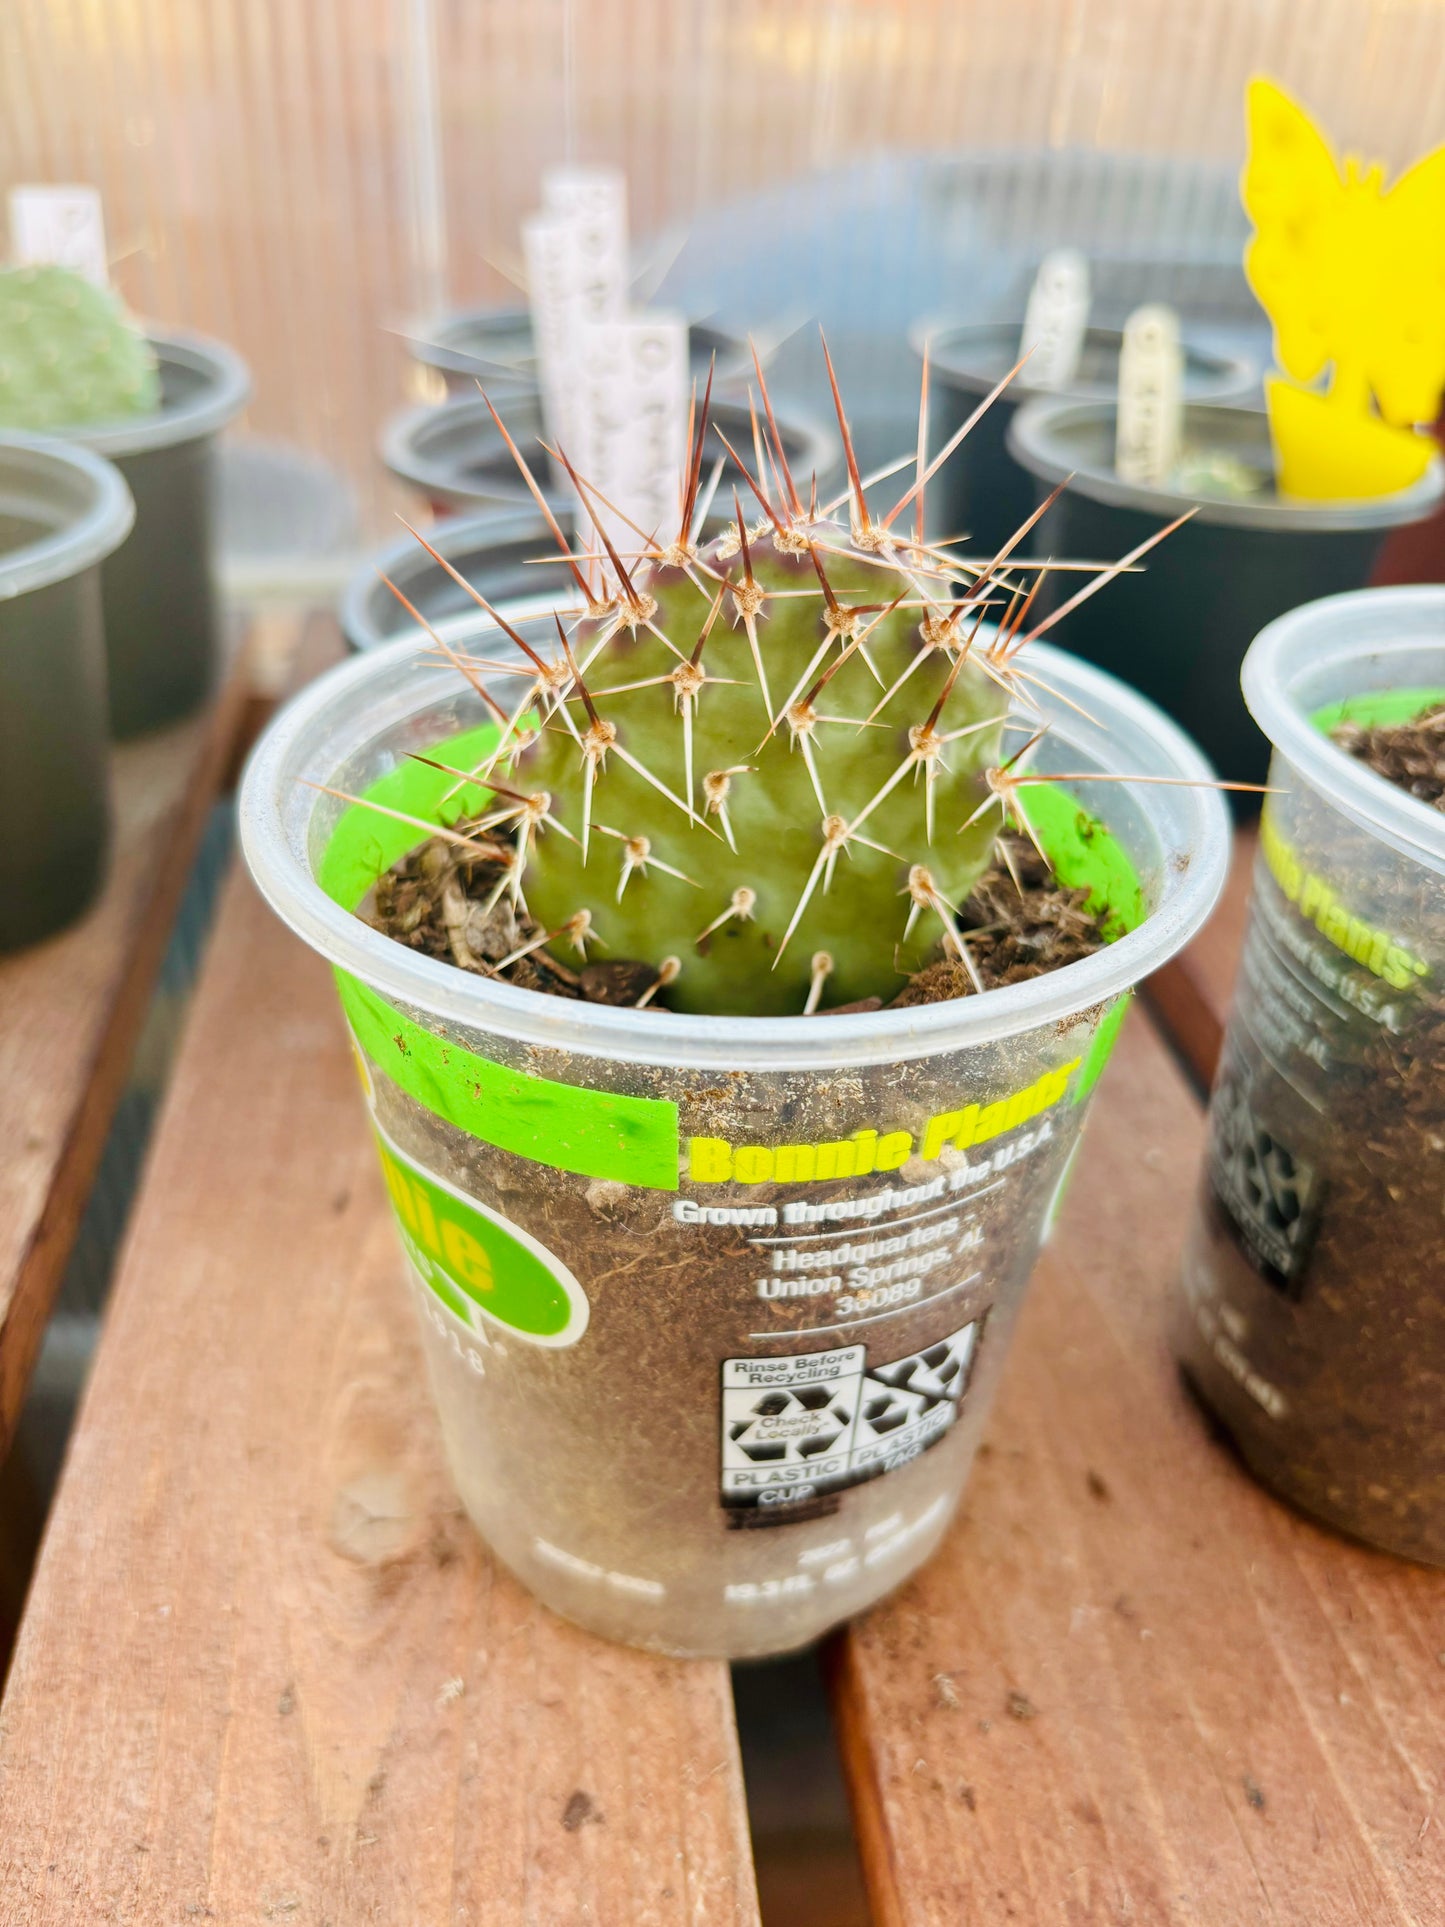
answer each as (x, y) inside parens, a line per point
(95, 533)
(1346, 782)
(754, 1043)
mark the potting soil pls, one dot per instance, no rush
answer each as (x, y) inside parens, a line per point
(1019, 922)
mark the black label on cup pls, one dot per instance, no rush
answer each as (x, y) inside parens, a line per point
(1270, 1197)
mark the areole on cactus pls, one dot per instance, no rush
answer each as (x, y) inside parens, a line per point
(770, 766)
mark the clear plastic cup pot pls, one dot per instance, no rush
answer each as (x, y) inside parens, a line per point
(714, 1307)
(1311, 1317)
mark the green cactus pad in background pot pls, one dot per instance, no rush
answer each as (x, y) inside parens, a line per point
(73, 364)
(69, 353)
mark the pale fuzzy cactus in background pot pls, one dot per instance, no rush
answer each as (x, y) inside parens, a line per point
(772, 766)
(69, 353)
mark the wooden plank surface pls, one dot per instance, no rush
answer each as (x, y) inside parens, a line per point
(267, 1671)
(1132, 1688)
(70, 1011)
(1190, 995)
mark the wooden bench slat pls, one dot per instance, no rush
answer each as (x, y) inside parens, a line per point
(1227, 1714)
(267, 1670)
(70, 1011)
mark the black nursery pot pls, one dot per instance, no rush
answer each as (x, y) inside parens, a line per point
(508, 554)
(503, 552)
(162, 610)
(62, 511)
(981, 493)
(1179, 627)
(487, 345)
(454, 455)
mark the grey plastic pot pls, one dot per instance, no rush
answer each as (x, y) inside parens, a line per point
(503, 552)
(162, 611)
(1179, 628)
(62, 512)
(981, 493)
(467, 345)
(454, 456)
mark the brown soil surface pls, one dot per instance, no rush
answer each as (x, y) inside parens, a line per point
(1019, 922)
(1410, 755)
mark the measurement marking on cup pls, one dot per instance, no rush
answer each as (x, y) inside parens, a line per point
(888, 1224)
(843, 1324)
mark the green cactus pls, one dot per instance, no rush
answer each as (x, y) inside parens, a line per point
(772, 766)
(69, 354)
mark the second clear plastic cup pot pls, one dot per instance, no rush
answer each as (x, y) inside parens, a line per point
(1311, 1318)
(714, 1307)
(62, 512)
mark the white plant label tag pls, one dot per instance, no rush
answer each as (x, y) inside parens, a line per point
(59, 227)
(1055, 319)
(596, 199)
(1151, 400)
(548, 243)
(632, 424)
(576, 252)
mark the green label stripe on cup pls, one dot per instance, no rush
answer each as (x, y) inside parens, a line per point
(1376, 708)
(604, 1134)
(365, 842)
(1086, 855)
(1105, 1038)
(477, 1264)
(597, 1134)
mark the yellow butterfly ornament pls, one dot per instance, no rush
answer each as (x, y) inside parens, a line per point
(1352, 274)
